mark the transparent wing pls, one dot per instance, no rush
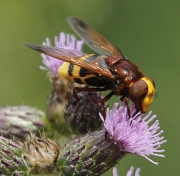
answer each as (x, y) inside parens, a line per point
(96, 65)
(92, 38)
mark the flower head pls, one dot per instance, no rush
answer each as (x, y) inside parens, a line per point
(134, 135)
(65, 41)
(41, 153)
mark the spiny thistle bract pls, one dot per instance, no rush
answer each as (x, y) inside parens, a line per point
(82, 115)
(88, 155)
(12, 158)
(18, 121)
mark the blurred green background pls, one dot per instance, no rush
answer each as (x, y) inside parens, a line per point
(147, 32)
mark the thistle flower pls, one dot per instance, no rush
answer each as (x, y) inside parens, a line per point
(129, 173)
(134, 135)
(12, 159)
(63, 41)
(96, 152)
(83, 115)
(19, 121)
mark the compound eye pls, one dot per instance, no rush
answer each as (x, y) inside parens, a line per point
(138, 91)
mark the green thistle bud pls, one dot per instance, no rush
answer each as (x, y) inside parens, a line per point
(91, 154)
(83, 115)
(19, 121)
(12, 159)
(41, 153)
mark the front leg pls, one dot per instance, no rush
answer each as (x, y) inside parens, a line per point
(126, 100)
(101, 102)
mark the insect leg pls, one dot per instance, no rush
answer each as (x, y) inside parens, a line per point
(89, 89)
(75, 94)
(100, 103)
(126, 100)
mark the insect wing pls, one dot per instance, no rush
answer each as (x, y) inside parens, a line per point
(92, 38)
(97, 65)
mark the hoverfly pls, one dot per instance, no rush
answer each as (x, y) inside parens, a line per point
(108, 70)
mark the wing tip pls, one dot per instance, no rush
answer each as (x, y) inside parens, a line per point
(32, 46)
(75, 22)
(39, 48)
(70, 20)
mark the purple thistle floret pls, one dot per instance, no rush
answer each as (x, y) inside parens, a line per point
(129, 173)
(133, 134)
(65, 41)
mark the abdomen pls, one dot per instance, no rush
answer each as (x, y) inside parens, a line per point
(81, 75)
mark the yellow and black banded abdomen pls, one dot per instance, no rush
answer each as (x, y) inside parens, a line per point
(80, 75)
